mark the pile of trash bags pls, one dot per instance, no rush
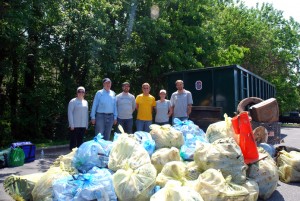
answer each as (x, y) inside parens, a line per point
(179, 162)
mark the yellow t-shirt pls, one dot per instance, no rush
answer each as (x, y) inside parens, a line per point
(145, 107)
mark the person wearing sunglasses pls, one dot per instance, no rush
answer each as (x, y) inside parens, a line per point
(145, 104)
(78, 118)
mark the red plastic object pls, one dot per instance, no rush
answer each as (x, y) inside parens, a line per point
(242, 126)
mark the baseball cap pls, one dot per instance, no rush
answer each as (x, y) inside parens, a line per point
(125, 83)
(106, 80)
(81, 88)
(163, 91)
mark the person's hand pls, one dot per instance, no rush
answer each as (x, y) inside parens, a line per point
(115, 122)
(93, 122)
(71, 128)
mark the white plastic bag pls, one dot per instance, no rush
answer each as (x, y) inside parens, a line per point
(265, 174)
(164, 155)
(166, 136)
(173, 191)
(223, 154)
(174, 170)
(289, 166)
(213, 186)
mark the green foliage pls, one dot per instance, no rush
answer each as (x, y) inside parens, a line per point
(49, 48)
(288, 93)
(5, 133)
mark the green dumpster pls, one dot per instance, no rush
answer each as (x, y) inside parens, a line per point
(223, 87)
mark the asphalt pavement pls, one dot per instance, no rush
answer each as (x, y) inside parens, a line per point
(284, 192)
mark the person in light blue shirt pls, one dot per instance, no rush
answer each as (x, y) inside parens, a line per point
(104, 110)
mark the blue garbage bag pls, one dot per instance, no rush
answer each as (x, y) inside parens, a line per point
(188, 148)
(95, 185)
(188, 127)
(92, 153)
(268, 148)
(146, 140)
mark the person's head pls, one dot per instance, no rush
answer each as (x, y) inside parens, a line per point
(146, 88)
(162, 94)
(179, 85)
(106, 83)
(80, 92)
(126, 87)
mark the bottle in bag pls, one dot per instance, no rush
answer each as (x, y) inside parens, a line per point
(42, 154)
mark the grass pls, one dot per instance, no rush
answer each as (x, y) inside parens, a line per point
(44, 143)
(50, 143)
(290, 125)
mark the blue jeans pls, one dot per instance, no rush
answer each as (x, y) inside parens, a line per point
(126, 124)
(142, 125)
(104, 123)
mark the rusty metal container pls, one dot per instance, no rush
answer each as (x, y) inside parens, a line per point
(203, 116)
(266, 111)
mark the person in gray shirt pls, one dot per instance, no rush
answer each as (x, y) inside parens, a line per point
(78, 118)
(125, 108)
(163, 109)
(181, 102)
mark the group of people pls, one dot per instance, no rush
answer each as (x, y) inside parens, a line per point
(109, 109)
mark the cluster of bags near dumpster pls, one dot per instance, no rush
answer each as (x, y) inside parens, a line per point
(179, 162)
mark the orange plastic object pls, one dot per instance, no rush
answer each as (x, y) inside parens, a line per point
(242, 126)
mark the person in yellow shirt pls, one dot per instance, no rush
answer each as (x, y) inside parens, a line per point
(145, 104)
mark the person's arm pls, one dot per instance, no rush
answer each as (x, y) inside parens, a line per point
(172, 105)
(153, 104)
(170, 110)
(137, 103)
(87, 115)
(189, 109)
(70, 115)
(133, 104)
(190, 103)
(94, 108)
(115, 111)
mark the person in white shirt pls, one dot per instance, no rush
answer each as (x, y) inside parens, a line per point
(78, 118)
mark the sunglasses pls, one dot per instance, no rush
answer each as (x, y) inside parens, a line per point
(145, 88)
(80, 92)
